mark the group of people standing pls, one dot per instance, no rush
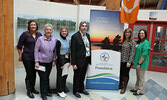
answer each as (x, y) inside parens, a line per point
(136, 54)
(36, 50)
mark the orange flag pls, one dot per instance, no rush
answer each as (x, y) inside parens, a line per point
(129, 11)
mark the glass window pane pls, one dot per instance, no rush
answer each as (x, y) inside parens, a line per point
(161, 32)
(136, 29)
(160, 46)
(159, 60)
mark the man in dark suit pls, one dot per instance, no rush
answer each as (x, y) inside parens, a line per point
(80, 58)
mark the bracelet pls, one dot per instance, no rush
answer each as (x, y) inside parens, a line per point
(138, 64)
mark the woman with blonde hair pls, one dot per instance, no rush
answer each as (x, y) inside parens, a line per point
(63, 61)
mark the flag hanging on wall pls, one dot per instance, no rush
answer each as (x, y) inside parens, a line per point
(129, 11)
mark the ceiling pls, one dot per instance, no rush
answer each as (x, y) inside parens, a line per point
(144, 4)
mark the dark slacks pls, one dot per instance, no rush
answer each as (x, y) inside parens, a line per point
(124, 71)
(44, 78)
(79, 77)
(30, 74)
(61, 80)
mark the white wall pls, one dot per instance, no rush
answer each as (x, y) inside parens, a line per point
(84, 12)
(144, 15)
(42, 8)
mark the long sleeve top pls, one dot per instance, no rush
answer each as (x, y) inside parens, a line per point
(142, 50)
(128, 51)
(45, 49)
(28, 42)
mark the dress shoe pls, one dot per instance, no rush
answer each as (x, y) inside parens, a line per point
(44, 98)
(48, 94)
(122, 91)
(35, 91)
(124, 84)
(136, 94)
(64, 94)
(133, 90)
(77, 95)
(30, 94)
(85, 92)
(61, 94)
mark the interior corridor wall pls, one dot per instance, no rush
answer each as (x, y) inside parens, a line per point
(42, 8)
(144, 15)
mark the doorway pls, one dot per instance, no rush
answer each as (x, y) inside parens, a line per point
(157, 36)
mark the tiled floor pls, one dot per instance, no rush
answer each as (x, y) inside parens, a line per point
(157, 77)
(153, 91)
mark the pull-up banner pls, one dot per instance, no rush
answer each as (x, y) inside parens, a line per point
(106, 33)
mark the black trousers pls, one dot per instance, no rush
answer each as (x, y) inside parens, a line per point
(79, 77)
(124, 71)
(61, 80)
(44, 78)
(30, 74)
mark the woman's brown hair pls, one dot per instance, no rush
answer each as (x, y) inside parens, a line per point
(131, 34)
(29, 22)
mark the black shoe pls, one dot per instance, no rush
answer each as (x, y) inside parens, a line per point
(133, 90)
(85, 92)
(66, 89)
(48, 94)
(77, 95)
(44, 98)
(136, 94)
(35, 91)
(30, 94)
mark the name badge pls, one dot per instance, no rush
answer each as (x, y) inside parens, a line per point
(66, 56)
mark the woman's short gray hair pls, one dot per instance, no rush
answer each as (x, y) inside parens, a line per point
(48, 25)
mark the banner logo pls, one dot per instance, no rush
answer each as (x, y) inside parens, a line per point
(104, 57)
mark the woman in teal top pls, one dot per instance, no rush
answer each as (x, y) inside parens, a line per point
(141, 62)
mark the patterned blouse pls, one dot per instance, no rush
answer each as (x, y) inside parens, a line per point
(128, 51)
